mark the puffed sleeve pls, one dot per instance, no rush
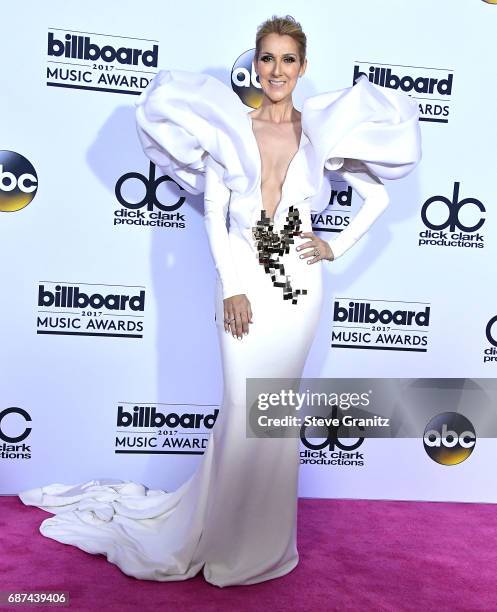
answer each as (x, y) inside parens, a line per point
(365, 133)
(195, 129)
(183, 117)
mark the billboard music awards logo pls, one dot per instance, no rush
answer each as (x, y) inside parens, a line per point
(162, 429)
(100, 62)
(336, 216)
(15, 427)
(331, 450)
(453, 221)
(490, 353)
(18, 181)
(85, 309)
(149, 201)
(449, 438)
(433, 86)
(388, 325)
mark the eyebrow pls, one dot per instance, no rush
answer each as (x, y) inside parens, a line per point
(269, 53)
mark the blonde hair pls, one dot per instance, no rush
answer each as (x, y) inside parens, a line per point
(282, 25)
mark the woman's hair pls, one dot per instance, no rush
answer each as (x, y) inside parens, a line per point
(282, 25)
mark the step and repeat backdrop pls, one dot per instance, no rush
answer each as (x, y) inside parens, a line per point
(109, 359)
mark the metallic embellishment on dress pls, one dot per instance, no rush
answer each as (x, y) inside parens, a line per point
(272, 245)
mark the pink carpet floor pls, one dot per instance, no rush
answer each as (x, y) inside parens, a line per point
(354, 555)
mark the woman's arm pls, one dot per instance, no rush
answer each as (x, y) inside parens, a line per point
(216, 202)
(375, 200)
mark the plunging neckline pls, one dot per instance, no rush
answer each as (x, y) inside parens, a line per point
(283, 184)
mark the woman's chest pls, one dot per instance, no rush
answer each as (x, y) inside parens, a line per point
(285, 181)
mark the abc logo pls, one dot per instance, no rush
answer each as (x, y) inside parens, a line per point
(18, 181)
(449, 438)
(454, 207)
(24, 434)
(244, 80)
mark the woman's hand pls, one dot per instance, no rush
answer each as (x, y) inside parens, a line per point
(323, 248)
(237, 315)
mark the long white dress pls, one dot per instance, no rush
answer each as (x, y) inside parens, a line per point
(235, 517)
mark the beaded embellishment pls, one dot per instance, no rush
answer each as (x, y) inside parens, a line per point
(272, 245)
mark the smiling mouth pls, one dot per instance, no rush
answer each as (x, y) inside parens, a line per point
(276, 83)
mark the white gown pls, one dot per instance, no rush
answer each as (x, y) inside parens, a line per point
(235, 517)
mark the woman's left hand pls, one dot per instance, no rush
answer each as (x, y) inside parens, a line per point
(314, 243)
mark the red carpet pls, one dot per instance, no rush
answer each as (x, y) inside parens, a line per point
(354, 555)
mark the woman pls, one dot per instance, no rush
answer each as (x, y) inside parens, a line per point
(235, 518)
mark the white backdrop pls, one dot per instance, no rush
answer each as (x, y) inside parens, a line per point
(71, 378)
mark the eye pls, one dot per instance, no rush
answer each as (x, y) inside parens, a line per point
(289, 60)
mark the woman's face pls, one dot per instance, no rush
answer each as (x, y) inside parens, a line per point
(278, 66)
